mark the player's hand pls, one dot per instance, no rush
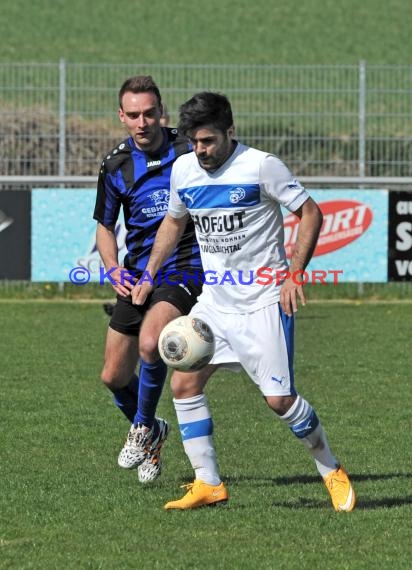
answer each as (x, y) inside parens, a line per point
(141, 292)
(290, 292)
(124, 281)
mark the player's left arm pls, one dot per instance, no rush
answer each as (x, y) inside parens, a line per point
(309, 227)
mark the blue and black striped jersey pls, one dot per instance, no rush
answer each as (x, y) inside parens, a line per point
(140, 183)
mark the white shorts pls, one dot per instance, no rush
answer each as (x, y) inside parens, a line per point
(260, 342)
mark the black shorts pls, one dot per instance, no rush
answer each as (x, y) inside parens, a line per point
(127, 318)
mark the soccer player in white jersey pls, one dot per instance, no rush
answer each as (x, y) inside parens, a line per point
(234, 195)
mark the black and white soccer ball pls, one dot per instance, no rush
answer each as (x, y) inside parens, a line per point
(187, 344)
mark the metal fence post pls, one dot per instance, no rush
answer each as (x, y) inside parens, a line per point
(62, 129)
(362, 132)
(62, 117)
(362, 117)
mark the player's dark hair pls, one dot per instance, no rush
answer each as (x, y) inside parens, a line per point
(205, 108)
(139, 84)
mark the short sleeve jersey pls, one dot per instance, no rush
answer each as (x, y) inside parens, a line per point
(239, 224)
(140, 183)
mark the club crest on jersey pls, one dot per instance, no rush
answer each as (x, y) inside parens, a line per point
(160, 201)
(160, 196)
(236, 195)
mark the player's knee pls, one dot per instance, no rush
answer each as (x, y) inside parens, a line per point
(185, 385)
(177, 387)
(148, 349)
(112, 379)
(280, 404)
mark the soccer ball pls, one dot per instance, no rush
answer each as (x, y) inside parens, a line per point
(187, 344)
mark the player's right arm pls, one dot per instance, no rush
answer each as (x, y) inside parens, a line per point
(106, 213)
(108, 250)
(167, 237)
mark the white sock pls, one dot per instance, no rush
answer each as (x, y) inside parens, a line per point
(196, 429)
(304, 423)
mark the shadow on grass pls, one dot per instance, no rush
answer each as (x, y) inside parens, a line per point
(308, 479)
(363, 503)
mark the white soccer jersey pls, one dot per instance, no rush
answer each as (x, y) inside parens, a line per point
(239, 224)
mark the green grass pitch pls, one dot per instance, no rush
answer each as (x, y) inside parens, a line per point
(234, 31)
(64, 503)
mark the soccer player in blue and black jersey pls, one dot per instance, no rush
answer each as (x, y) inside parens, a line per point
(135, 175)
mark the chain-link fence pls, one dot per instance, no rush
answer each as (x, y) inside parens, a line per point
(351, 120)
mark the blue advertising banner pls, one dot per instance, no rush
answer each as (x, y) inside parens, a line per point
(353, 243)
(63, 234)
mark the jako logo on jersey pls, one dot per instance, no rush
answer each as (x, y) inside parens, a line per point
(344, 221)
(152, 163)
(236, 195)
